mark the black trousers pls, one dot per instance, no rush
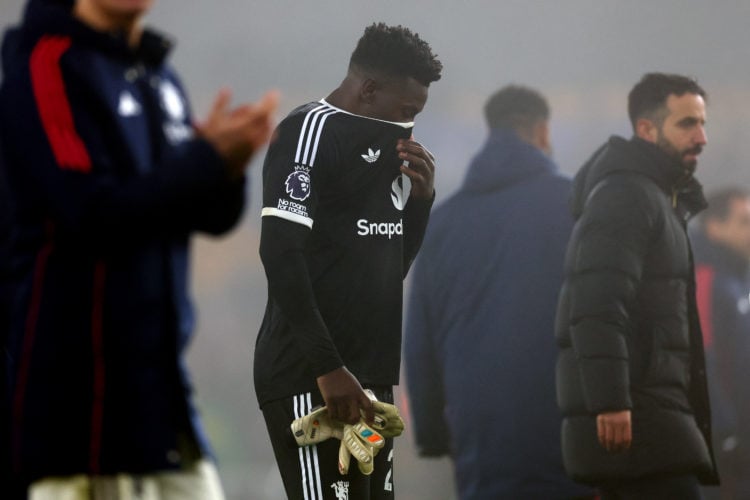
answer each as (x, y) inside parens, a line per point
(311, 473)
(654, 488)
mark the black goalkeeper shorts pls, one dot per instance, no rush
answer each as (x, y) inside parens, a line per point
(311, 472)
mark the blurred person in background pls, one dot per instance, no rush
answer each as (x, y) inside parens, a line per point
(631, 376)
(109, 179)
(479, 351)
(338, 236)
(722, 256)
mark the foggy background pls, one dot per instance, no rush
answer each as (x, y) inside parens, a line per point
(584, 55)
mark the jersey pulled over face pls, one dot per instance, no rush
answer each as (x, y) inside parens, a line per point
(339, 175)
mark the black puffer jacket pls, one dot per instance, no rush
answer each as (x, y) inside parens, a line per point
(627, 325)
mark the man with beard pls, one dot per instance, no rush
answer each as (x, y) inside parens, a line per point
(631, 371)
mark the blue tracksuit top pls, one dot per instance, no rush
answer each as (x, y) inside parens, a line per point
(479, 338)
(107, 183)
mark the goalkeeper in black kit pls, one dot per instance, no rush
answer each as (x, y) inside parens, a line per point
(338, 235)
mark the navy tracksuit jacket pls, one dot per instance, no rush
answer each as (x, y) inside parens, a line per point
(107, 184)
(479, 339)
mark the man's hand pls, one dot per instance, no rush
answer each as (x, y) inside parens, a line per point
(420, 168)
(344, 397)
(358, 440)
(614, 430)
(237, 133)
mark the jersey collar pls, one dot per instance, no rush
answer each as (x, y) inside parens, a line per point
(399, 124)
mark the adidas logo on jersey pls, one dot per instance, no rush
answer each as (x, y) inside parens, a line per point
(371, 157)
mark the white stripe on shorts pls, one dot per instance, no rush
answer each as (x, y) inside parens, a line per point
(308, 455)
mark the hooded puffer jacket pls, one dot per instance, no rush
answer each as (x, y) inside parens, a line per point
(627, 325)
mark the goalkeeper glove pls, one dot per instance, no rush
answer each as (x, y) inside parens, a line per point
(316, 427)
(362, 442)
(388, 421)
(359, 439)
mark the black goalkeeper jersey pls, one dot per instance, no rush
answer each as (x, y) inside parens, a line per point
(338, 174)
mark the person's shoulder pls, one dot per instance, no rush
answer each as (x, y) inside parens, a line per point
(304, 135)
(553, 181)
(294, 121)
(626, 196)
(49, 59)
(303, 109)
(627, 185)
(309, 112)
(308, 120)
(64, 57)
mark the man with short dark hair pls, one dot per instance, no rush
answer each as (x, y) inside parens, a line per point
(631, 371)
(108, 180)
(722, 256)
(522, 111)
(337, 239)
(479, 357)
